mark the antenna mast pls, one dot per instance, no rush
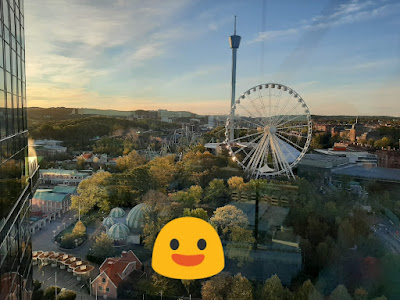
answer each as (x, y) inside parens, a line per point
(234, 41)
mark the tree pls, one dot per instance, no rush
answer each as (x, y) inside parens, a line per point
(217, 288)
(360, 294)
(240, 245)
(37, 293)
(236, 183)
(91, 191)
(162, 169)
(315, 295)
(79, 229)
(130, 161)
(305, 290)
(102, 248)
(50, 292)
(227, 217)
(216, 191)
(67, 295)
(371, 142)
(189, 198)
(157, 212)
(241, 288)
(383, 143)
(273, 289)
(196, 213)
(340, 292)
(164, 285)
(80, 163)
(130, 186)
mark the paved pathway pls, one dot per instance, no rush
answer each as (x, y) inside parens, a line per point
(46, 275)
(43, 240)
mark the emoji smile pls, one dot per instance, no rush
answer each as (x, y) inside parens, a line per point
(188, 260)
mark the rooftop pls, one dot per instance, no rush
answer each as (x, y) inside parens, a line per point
(50, 196)
(62, 172)
(370, 173)
(64, 189)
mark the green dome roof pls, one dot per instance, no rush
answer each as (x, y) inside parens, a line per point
(117, 212)
(134, 220)
(118, 232)
(109, 221)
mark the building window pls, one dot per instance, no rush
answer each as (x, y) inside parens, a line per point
(103, 279)
(100, 288)
(107, 290)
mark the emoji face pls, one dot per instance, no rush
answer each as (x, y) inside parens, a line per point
(188, 248)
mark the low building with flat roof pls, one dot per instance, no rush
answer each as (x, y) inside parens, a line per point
(49, 202)
(62, 177)
(365, 173)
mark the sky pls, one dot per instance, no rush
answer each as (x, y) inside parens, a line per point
(342, 57)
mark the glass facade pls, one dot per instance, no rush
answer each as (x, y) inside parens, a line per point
(17, 174)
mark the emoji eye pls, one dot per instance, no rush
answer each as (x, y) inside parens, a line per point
(201, 244)
(174, 244)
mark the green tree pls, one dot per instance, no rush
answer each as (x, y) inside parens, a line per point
(164, 285)
(130, 161)
(50, 292)
(196, 213)
(217, 288)
(383, 143)
(371, 142)
(79, 229)
(216, 192)
(102, 248)
(315, 295)
(80, 163)
(162, 169)
(241, 288)
(304, 291)
(227, 217)
(157, 212)
(273, 289)
(340, 292)
(189, 198)
(67, 295)
(91, 191)
(236, 183)
(360, 294)
(240, 245)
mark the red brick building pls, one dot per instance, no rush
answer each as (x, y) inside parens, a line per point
(388, 158)
(112, 272)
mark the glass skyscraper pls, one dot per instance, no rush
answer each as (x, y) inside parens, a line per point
(18, 173)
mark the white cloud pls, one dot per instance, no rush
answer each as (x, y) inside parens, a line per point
(352, 12)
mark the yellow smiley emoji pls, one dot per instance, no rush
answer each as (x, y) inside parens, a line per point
(188, 248)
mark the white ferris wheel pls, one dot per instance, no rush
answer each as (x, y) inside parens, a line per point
(268, 130)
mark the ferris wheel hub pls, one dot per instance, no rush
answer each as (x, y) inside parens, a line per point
(270, 129)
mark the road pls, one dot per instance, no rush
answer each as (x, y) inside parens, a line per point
(387, 233)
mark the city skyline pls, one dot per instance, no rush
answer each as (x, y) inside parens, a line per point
(340, 56)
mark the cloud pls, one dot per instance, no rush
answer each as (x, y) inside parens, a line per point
(70, 43)
(347, 13)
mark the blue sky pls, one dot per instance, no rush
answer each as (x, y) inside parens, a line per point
(342, 57)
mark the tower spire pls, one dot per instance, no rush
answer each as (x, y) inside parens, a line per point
(234, 41)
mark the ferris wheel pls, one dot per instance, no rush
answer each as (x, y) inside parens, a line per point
(268, 130)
